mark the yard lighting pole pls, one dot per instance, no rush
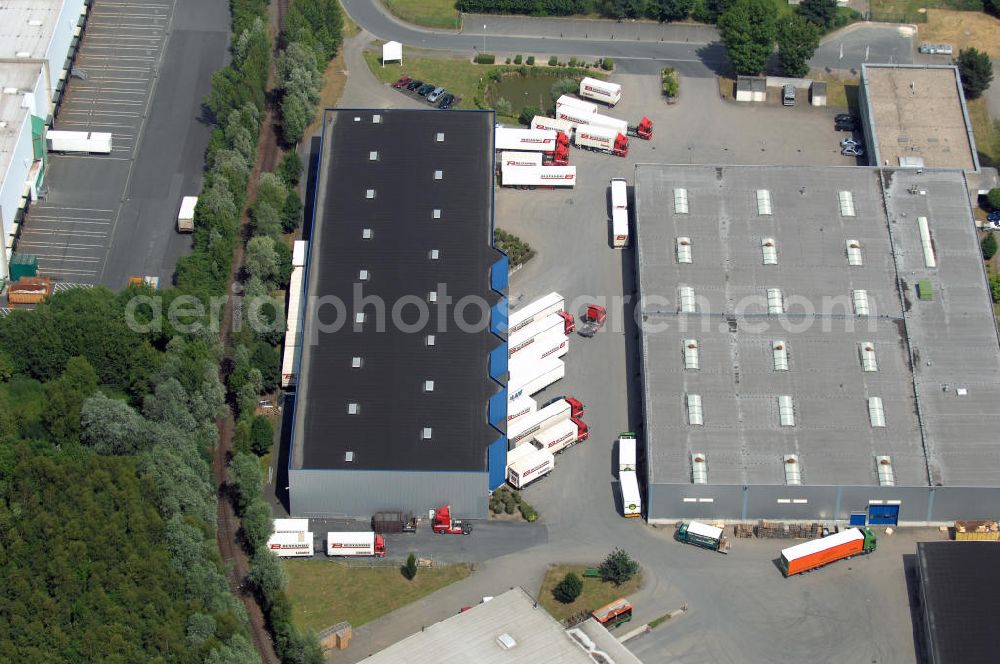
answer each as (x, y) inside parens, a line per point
(484, 37)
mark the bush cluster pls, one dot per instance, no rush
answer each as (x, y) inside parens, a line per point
(485, 59)
(517, 250)
(532, 7)
(503, 500)
(671, 84)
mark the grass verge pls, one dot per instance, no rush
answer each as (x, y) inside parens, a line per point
(459, 76)
(324, 593)
(986, 131)
(596, 593)
(656, 622)
(918, 11)
(428, 13)
(961, 30)
(350, 27)
(840, 92)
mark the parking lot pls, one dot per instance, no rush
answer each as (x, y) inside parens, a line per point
(145, 66)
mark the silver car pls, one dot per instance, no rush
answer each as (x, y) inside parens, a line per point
(435, 94)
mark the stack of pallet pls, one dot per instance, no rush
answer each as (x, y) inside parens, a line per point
(770, 529)
(977, 530)
(743, 530)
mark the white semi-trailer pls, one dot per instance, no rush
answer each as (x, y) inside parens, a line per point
(355, 544)
(541, 347)
(291, 526)
(559, 323)
(520, 407)
(531, 177)
(619, 194)
(534, 140)
(601, 139)
(291, 545)
(542, 122)
(626, 452)
(293, 317)
(533, 311)
(598, 120)
(511, 158)
(619, 228)
(585, 107)
(561, 435)
(531, 376)
(609, 93)
(527, 463)
(631, 500)
(91, 142)
(185, 216)
(522, 430)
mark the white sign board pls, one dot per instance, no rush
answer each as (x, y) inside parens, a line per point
(392, 52)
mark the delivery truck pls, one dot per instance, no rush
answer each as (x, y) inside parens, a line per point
(613, 614)
(703, 535)
(631, 500)
(532, 140)
(811, 555)
(601, 139)
(532, 177)
(526, 463)
(534, 311)
(564, 434)
(87, 142)
(531, 376)
(609, 93)
(291, 545)
(520, 407)
(627, 452)
(511, 158)
(619, 228)
(557, 411)
(185, 216)
(355, 544)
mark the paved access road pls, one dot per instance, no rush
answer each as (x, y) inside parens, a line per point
(107, 217)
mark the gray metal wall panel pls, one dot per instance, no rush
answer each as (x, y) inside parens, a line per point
(762, 503)
(950, 503)
(321, 493)
(667, 501)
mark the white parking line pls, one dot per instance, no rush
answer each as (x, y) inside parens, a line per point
(57, 257)
(110, 114)
(69, 220)
(109, 102)
(84, 156)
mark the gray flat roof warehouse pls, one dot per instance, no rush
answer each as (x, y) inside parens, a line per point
(791, 367)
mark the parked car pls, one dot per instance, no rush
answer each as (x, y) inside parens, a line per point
(849, 143)
(856, 151)
(936, 49)
(788, 95)
(446, 101)
(413, 85)
(402, 82)
(994, 216)
(425, 88)
(435, 94)
(844, 118)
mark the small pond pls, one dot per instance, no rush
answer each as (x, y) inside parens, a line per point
(535, 89)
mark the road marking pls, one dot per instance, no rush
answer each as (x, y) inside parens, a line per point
(68, 220)
(84, 156)
(43, 206)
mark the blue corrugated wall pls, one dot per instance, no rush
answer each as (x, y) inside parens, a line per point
(498, 462)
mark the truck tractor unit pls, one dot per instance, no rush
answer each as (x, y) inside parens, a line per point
(703, 535)
(609, 93)
(601, 139)
(355, 544)
(643, 130)
(443, 524)
(565, 434)
(593, 320)
(527, 463)
(814, 554)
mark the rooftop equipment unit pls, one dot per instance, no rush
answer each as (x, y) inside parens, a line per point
(686, 300)
(786, 411)
(867, 351)
(860, 298)
(775, 302)
(779, 350)
(683, 250)
(763, 202)
(925, 242)
(846, 199)
(854, 258)
(770, 251)
(876, 413)
(680, 201)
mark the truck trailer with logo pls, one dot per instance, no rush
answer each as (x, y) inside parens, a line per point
(355, 544)
(526, 463)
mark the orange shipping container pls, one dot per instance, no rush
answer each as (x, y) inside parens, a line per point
(29, 290)
(816, 553)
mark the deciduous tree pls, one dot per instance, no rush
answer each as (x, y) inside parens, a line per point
(976, 71)
(748, 30)
(798, 39)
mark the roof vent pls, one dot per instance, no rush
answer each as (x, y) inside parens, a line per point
(686, 300)
(10, 91)
(434, 254)
(23, 54)
(426, 433)
(353, 408)
(695, 415)
(440, 137)
(430, 340)
(860, 298)
(775, 302)
(506, 641)
(437, 213)
(763, 202)
(432, 296)
(363, 275)
(876, 412)
(883, 467)
(699, 468)
(373, 156)
(359, 317)
(779, 351)
(793, 471)
(854, 258)
(770, 251)
(366, 233)
(680, 201)
(376, 119)
(355, 362)
(428, 386)
(357, 118)
(438, 175)
(868, 361)
(370, 193)
(348, 457)
(683, 250)
(35, 23)
(846, 200)
(691, 354)
(786, 411)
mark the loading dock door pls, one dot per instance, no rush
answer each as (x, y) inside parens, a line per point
(883, 515)
(859, 518)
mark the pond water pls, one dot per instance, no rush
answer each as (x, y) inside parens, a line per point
(521, 91)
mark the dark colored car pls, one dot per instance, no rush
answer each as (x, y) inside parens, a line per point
(402, 82)
(446, 102)
(993, 216)
(843, 126)
(844, 118)
(425, 88)
(413, 85)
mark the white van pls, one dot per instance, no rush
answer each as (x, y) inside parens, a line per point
(788, 95)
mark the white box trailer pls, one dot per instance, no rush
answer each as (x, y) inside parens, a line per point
(293, 327)
(573, 114)
(537, 176)
(520, 407)
(585, 106)
(522, 430)
(619, 228)
(355, 544)
(291, 545)
(559, 436)
(534, 140)
(527, 463)
(609, 93)
(549, 325)
(92, 142)
(553, 344)
(602, 139)
(631, 500)
(511, 158)
(542, 122)
(531, 376)
(185, 216)
(626, 452)
(533, 311)
(619, 194)
(598, 120)
(290, 526)
(299, 249)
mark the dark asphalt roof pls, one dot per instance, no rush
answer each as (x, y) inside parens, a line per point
(389, 388)
(959, 586)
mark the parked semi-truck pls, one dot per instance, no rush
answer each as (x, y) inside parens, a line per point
(526, 463)
(563, 434)
(535, 140)
(703, 535)
(92, 142)
(524, 428)
(553, 124)
(558, 324)
(631, 500)
(355, 544)
(601, 139)
(586, 107)
(609, 93)
(533, 311)
(185, 216)
(531, 376)
(810, 555)
(290, 526)
(291, 545)
(532, 177)
(520, 407)
(293, 316)
(619, 194)
(619, 228)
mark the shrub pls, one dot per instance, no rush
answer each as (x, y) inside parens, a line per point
(517, 250)
(485, 59)
(528, 512)
(530, 60)
(528, 113)
(290, 168)
(517, 59)
(993, 198)
(989, 246)
(564, 86)
(503, 107)
(618, 567)
(507, 61)
(567, 590)
(607, 64)
(671, 86)
(553, 61)
(261, 435)
(572, 61)
(410, 568)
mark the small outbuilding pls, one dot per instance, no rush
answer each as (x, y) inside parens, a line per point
(392, 52)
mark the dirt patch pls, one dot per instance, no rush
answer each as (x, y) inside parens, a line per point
(334, 82)
(961, 30)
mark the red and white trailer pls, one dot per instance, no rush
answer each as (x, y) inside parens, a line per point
(579, 117)
(520, 407)
(609, 93)
(585, 107)
(564, 126)
(559, 436)
(355, 544)
(534, 311)
(531, 177)
(601, 139)
(530, 376)
(598, 120)
(291, 545)
(619, 228)
(527, 463)
(557, 411)
(560, 323)
(511, 158)
(532, 140)
(290, 526)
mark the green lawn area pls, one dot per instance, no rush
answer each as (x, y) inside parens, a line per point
(909, 11)
(596, 593)
(324, 592)
(986, 132)
(350, 27)
(429, 13)
(460, 77)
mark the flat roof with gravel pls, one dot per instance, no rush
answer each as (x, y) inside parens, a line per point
(919, 111)
(781, 259)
